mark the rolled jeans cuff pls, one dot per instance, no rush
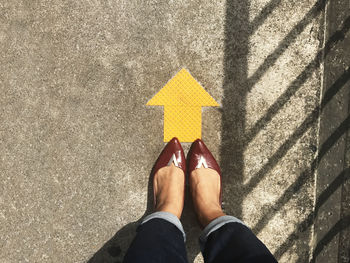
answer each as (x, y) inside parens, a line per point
(168, 217)
(215, 225)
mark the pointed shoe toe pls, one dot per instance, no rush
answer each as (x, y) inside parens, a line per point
(172, 153)
(200, 156)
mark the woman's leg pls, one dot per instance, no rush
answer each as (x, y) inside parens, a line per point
(227, 239)
(160, 238)
(224, 238)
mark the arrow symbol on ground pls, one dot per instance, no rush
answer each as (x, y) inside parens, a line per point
(183, 98)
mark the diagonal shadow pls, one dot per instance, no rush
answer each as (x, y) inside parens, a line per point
(271, 59)
(283, 149)
(287, 145)
(304, 177)
(263, 15)
(299, 81)
(236, 85)
(308, 222)
(232, 125)
(342, 224)
(297, 185)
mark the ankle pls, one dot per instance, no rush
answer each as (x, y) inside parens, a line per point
(205, 217)
(170, 208)
(168, 186)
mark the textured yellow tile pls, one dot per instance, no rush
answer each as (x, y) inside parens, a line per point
(183, 98)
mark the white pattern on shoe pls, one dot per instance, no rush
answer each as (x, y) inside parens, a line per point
(202, 162)
(173, 160)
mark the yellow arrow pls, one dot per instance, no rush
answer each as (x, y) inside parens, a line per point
(183, 98)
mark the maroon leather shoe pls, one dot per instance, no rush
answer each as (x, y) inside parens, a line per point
(172, 153)
(200, 156)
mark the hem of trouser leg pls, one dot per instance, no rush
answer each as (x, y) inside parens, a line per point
(215, 225)
(168, 217)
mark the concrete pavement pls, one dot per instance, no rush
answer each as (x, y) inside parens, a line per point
(78, 143)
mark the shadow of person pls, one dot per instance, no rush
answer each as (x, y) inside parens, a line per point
(114, 250)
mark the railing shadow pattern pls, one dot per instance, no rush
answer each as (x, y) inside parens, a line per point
(234, 142)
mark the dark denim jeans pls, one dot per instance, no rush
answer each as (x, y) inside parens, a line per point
(159, 240)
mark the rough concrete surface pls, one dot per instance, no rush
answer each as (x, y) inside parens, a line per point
(332, 213)
(78, 143)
